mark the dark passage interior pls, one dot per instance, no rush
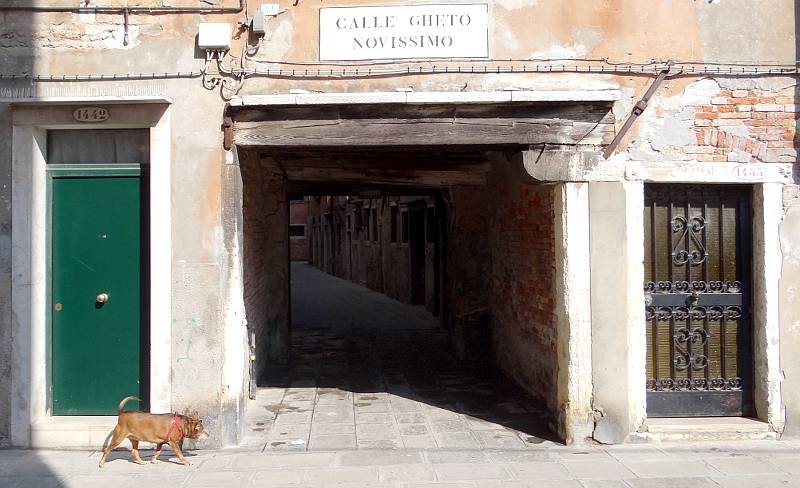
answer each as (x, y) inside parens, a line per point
(420, 314)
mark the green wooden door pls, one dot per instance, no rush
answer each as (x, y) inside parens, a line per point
(95, 250)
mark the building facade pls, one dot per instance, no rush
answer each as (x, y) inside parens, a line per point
(389, 244)
(298, 222)
(615, 184)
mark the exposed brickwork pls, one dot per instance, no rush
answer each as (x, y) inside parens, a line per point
(746, 126)
(265, 261)
(523, 286)
(468, 269)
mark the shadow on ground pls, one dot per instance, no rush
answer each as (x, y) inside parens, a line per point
(346, 338)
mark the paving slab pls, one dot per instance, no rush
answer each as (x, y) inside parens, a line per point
(673, 482)
(406, 473)
(604, 484)
(380, 444)
(529, 484)
(460, 440)
(465, 472)
(599, 470)
(745, 465)
(539, 471)
(419, 442)
(437, 484)
(214, 480)
(334, 428)
(277, 477)
(658, 468)
(330, 476)
(380, 458)
(764, 481)
(332, 442)
(514, 456)
(256, 461)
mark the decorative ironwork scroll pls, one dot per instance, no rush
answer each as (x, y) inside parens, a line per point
(689, 231)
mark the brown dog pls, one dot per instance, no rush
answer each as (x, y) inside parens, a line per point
(160, 429)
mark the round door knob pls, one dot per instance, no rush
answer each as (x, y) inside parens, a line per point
(102, 298)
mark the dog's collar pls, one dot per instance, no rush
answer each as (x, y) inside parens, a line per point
(175, 423)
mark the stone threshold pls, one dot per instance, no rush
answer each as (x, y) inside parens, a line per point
(705, 428)
(72, 432)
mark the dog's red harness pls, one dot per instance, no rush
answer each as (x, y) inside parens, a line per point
(175, 423)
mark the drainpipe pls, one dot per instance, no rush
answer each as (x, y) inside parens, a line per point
(638, 109)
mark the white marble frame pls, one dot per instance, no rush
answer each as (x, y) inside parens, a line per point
(624, 415)
(29, 378)
(767, 209)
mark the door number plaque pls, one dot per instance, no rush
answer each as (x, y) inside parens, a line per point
(90, 114)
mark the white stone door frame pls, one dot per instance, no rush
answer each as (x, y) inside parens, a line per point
(618, 337)
(29, 377)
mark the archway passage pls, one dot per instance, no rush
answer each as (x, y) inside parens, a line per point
(424, 317)
(501, 233)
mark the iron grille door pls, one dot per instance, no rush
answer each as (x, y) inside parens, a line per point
(697, 302)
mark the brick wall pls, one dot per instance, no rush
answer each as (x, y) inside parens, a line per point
(468, 264)
(747, 126)
(522, 282)
(298, 249)
(265, 261)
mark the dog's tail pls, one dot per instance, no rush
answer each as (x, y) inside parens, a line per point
(125, 400)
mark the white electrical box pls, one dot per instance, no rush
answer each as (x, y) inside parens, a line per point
(214, 36)
(258, 24)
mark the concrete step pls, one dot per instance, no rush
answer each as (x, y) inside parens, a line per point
(705, 428)
(73, 432)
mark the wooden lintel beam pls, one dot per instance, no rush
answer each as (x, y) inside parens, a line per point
(381, 161)
(399, 132)
(437, 179)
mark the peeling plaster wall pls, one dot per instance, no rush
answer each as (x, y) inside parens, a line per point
(718, 120)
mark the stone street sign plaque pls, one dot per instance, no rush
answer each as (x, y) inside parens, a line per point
(404, 32)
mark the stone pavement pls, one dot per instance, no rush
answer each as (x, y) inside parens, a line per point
(743, 464)
(368, 372)
(372, 398)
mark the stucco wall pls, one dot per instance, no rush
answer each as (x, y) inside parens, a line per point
(623, 31)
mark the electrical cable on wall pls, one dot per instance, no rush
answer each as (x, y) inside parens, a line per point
(374, 72)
